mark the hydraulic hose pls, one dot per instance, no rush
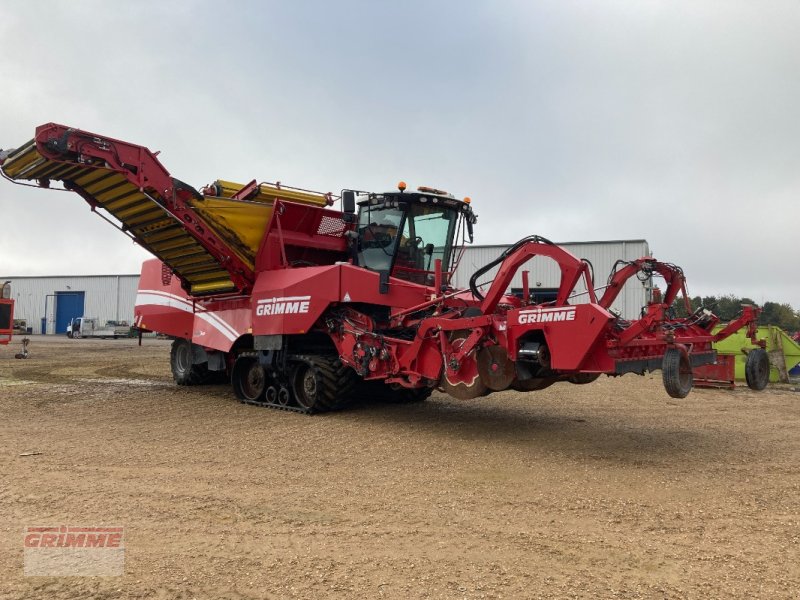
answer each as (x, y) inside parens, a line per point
(473, 281)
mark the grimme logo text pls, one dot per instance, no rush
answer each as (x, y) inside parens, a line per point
(73, 537)
(546, 315)
(283, 306)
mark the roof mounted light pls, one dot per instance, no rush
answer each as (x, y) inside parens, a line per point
(401, 186)
(467, 200)
(429, 190)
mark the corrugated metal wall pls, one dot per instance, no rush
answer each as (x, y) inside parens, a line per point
(545, 273)
(107, 297)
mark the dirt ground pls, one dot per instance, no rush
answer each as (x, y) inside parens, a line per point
(611, 489)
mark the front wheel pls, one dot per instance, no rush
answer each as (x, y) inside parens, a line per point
(181, 360)
(677, 373)
(756, 369)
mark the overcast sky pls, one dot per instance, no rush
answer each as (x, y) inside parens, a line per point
(677, 122)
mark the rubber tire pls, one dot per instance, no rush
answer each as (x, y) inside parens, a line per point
(534, 384)
(583, 378)
(756, 369)
(391, 393)
(180, 361)
(334, 383)
(677, 373)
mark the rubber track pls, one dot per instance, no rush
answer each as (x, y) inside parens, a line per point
(338, 381)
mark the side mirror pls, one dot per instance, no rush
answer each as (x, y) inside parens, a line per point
(429, 249)
(469, 229)
(348, 201)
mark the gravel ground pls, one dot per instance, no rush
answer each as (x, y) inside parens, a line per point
(611, 489)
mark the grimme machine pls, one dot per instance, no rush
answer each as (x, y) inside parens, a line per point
(304, 307)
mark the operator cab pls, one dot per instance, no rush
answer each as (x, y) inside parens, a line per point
(403, 233)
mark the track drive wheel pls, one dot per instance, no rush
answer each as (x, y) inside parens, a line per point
(677, 373)
(184, 371)
(249, 379)
(321, 383)
(756, 369)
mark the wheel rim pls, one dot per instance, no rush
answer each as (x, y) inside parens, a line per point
(182, 358)
(305, 386)
(762, 370)
(250, 380)
(283, 397)
(253, 381)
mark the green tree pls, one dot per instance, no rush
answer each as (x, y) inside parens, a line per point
(782, 315)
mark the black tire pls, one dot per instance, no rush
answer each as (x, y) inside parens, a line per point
(583, 378)
(390, 393)
(321, 383)
(184, 372)
(677, 373)
(534, 384)
(249, 379)
(756, 369)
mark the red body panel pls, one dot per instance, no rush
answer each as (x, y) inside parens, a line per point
(570, 332)
(7, 328)
(720, 375)
(166, 308)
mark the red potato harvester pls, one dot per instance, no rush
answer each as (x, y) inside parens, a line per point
(304, 307)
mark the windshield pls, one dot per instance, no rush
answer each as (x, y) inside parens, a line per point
(427, 233)
(377, 235)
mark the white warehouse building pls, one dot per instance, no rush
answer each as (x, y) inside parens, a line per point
(545, 275)
(47, 304)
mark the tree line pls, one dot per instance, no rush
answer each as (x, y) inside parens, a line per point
(729, 306)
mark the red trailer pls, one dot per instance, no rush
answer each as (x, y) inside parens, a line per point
(6, 314)
(305, 307)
